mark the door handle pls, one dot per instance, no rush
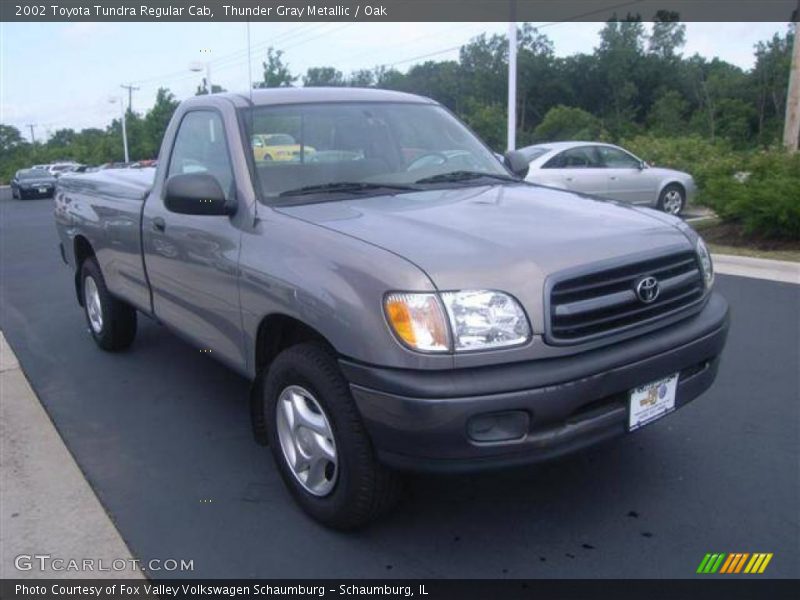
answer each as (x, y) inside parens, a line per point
(159, 224)
(568, 178)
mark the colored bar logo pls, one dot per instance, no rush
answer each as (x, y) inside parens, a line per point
(736, 562)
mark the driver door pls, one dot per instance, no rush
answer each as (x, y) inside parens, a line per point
(192, 260)
(628, 180)
(578, 169)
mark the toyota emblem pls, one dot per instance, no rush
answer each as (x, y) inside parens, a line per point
(647, 289)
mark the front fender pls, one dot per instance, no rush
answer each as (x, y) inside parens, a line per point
(331, 282)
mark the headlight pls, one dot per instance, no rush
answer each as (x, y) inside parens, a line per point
(482, 319)
(418, 320)
(478, 320)
(705, 262)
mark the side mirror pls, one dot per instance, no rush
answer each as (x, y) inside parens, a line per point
(196, 194)
(516, 162)
(643, 165)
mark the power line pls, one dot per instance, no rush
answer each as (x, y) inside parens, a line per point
(181, 75)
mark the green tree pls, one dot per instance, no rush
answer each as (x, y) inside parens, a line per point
(770, 78)
(10, 138)
(276, 72)
(668, 116)
(323, 77)
(568, 123)
(362, 78)
(202, 89)
(619, 57)
(489, 122)
(156, 121)
(668, 35)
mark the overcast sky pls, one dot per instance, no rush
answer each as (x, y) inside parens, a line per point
(62, 74)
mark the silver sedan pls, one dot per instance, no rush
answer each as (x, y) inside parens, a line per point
(610, 172)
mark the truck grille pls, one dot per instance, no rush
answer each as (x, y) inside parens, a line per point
(606, 302)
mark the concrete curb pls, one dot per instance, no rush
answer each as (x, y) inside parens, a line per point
(46, 505)
(757, 268)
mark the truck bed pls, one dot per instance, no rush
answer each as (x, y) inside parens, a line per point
(124, 183)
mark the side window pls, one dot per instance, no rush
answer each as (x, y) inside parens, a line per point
(583, 157)
(200, 147)
(614, 158)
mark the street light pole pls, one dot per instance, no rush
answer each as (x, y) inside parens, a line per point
(198, 67)
(791, 127)
(512, 80)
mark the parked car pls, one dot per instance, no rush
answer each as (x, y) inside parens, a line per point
(32, 183)
(278, 146)
(394, 310)
(608, 171)
(59, 168)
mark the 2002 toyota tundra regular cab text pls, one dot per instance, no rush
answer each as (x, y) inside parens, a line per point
(400, 299)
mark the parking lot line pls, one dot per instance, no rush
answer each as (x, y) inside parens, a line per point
(46, 505)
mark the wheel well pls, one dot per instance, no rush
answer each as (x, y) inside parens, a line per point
(277, 332)
(677, 184)
(83, 250)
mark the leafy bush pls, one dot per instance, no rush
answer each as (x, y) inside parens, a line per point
(568, 123)
(695, 155)
(764, 198)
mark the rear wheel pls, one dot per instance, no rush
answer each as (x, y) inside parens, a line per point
(112, 322)
(14, 193)
(672, 199)
(319, 443)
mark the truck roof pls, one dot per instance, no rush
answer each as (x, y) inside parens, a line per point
(299, 95)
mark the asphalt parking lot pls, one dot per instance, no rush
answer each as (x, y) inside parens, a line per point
(161, 433)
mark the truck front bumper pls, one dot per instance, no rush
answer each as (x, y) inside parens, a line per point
(418, 420)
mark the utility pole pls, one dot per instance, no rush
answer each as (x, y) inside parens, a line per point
(131, 89)
(791, 127)
(33, 138)
(113, 100)
(512, 79)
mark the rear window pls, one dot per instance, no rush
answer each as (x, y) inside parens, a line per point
(533, 153)
(33, 174)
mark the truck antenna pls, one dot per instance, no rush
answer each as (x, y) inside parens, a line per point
(250, 113)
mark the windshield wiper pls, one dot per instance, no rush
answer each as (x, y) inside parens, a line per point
(464, 176)
(347, 186)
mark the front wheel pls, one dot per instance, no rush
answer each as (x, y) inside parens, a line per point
(672, 199)
(319, 443)
(112, 322)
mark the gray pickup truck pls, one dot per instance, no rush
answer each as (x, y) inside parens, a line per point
(400, 298)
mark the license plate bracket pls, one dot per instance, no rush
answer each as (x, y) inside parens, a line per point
(651, 401)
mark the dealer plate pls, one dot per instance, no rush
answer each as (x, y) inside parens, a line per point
(651, 401)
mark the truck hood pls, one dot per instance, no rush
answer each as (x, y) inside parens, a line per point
(503, 237)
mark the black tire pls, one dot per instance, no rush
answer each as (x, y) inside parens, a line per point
(667, 198)
(14, 194)
(118, 328)
(364, 489)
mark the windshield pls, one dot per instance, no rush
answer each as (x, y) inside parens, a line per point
(33, 174)
(321, 148)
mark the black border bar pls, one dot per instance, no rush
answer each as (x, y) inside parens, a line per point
(746, 587)
(392, 10)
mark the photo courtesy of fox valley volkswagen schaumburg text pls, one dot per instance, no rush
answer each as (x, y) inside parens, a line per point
(315, 297)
